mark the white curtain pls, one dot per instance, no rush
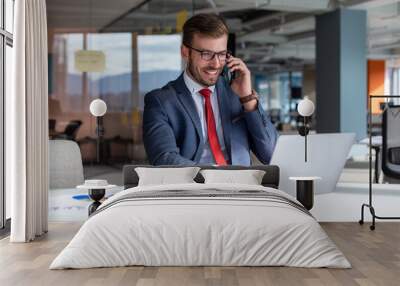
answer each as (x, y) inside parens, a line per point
(27, 124)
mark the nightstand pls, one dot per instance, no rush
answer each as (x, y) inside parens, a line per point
(305, 190)
(96, 190)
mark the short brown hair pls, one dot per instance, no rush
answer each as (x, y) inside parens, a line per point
(211, 25)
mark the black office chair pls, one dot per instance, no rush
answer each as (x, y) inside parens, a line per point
(391, 144)
(70, 130)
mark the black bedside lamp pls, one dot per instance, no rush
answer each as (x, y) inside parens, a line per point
(305, 185)
(306, 109)
(98, 108)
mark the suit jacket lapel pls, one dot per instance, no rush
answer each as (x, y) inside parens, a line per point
(184, 96)
(224, 104)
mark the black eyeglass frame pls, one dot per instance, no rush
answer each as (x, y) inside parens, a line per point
(227, 53)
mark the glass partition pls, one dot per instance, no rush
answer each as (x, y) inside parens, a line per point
(133, 65)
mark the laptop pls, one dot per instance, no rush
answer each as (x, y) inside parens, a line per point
(326, 157)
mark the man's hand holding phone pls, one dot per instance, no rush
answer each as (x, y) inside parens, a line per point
(241, 83)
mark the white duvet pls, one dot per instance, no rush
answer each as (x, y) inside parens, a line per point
(200, 231)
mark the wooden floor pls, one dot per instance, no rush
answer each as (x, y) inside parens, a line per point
(375, 257)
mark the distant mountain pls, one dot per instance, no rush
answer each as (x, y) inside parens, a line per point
(73, 84)
(151, 80)
(121, 83)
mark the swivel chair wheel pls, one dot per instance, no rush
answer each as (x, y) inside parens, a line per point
(372, 227)
(361, 222)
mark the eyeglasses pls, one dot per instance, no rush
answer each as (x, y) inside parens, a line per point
(209, 55)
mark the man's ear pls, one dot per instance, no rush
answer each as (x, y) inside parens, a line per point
(185, 52)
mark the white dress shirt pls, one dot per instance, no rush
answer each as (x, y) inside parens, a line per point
(194, 88)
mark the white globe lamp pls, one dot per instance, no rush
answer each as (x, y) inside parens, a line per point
(306, 107)
(98, 107)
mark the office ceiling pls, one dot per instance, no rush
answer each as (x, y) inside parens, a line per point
(271, 34)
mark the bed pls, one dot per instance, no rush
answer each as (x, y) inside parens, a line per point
(198, 224)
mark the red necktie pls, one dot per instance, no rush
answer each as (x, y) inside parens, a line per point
(211, 129)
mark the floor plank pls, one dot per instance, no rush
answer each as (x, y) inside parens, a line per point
(374, 255)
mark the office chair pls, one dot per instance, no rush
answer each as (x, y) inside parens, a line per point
(391, 144)
(70, 130)
(65, 164)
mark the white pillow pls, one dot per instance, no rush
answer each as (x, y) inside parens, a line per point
(163, 176)
(248, 177)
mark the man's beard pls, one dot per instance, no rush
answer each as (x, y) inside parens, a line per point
(197, 76)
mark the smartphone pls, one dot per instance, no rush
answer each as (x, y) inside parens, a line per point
(227, 74)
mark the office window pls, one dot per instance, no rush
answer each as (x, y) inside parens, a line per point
(8, 72)
(9, 16)
(114, 84)
(395, 84)
(66, 85)
(279, 95)
(2, 194)
(134, 65)
(6, 42)
(159, 61)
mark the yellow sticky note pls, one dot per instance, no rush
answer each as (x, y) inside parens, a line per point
(135, 117)
(90, 61)
(181, 18)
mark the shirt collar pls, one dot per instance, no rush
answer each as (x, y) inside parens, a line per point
(193, 86)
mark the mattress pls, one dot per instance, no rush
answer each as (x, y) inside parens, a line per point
(201, 225)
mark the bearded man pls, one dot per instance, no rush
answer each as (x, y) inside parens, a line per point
(200, 118)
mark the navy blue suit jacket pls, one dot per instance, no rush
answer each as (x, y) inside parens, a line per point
(172, 131)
